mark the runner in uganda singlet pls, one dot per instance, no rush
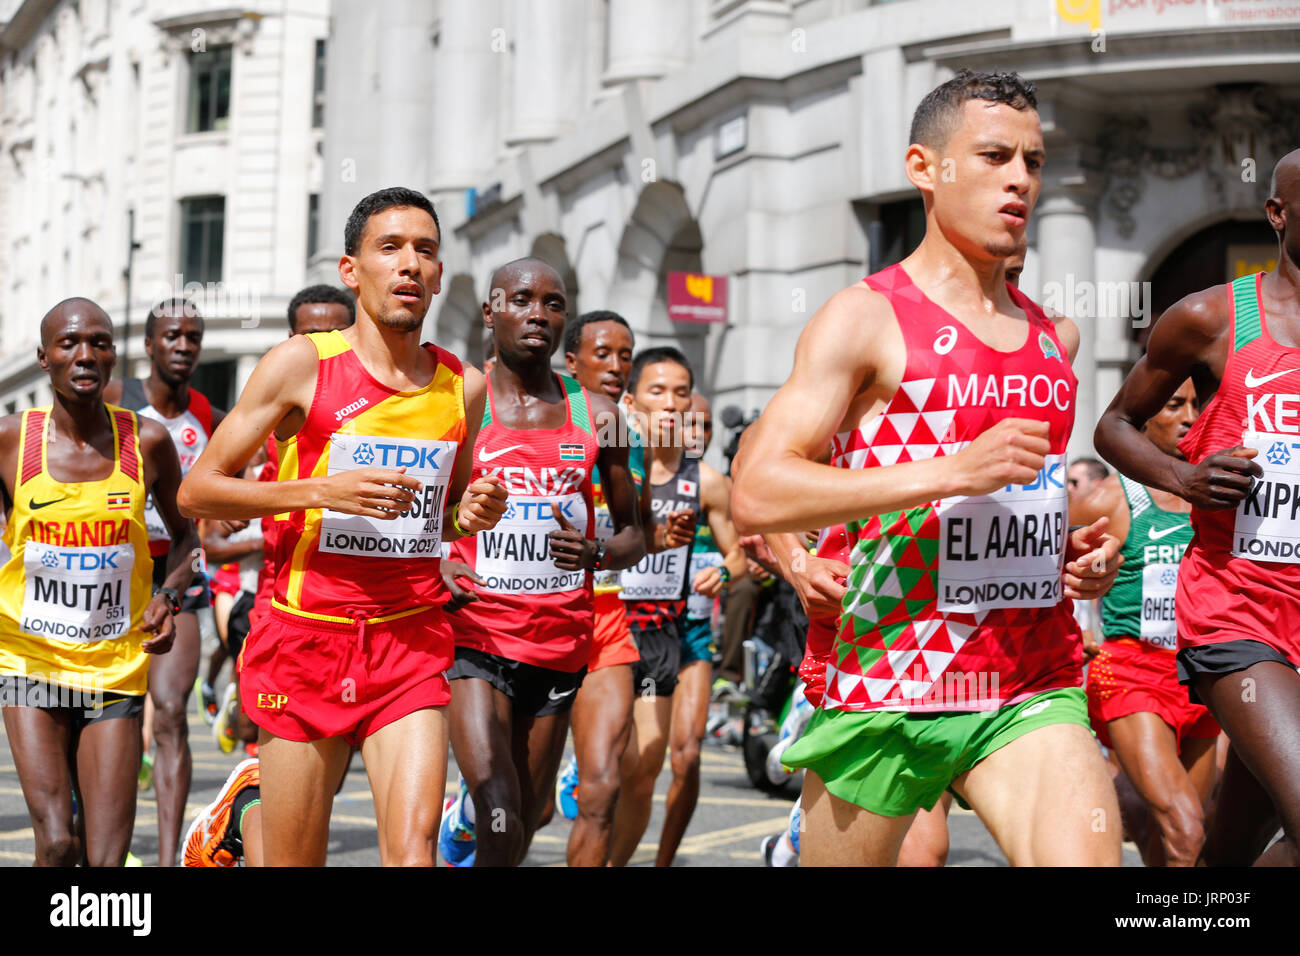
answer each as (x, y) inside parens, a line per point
(338, 567)
(528, 610)
(79, 575)
(1240, 577)
(957, 605)
(657, 585)
(190, 432)
(1140, 604)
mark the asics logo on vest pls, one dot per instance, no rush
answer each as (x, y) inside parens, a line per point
(393, 455)
(945, 340)
(347, 410)
(1252, 381)
(1002, 391)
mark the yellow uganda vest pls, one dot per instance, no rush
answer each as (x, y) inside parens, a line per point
(79, 574)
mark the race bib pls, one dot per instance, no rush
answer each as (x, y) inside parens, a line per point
(657, 577)
(515, 556)
(1267, 527)
(1158, 627)
(605, 580)
(697, 605)
(77, 594)
(1006, 549)
(418, 533)
(153, 522)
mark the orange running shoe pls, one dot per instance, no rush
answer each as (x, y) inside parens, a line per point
(209, 841)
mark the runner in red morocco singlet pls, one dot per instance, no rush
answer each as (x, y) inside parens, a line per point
(1238, 598)
(524, 641)
(173, 339)
(370, 425)
(949, 398)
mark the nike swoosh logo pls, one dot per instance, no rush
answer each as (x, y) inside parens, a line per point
(1253, 382)
(554, 696)
(1157, 535)
(490, 455)
(37, 505)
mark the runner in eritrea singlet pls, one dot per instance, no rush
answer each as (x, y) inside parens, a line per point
(338, 567)
(190, 432)
(528, 610)
(79, 575)
(957, 605)
(656, 586)
(1140, 604)
(1240, 577)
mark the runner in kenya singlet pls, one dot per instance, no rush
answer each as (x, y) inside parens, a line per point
(75, 587)
(1240, 577)
(341, 568)
(529, 610)
(956, 605)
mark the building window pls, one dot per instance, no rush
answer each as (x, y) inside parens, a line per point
(313, 224)
(203, 222)
(896, 233)
(209, 90)
(318, 88)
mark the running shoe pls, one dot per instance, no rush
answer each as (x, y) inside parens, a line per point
(455, 836)
(144, 781)
(251, 749)
(209, 841)
(566, 790)
(766, 846)
(223, 730)
(724, 689)
(132, 860)
(205, 699)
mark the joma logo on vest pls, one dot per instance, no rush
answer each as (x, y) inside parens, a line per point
(1285, 410)
(347, 410)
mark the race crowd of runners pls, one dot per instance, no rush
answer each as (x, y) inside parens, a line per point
(404, 554)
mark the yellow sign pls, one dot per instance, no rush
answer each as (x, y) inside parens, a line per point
(1080, 11)
(699, 287)
(1245, 259)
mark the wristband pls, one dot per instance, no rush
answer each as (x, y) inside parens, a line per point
(726, 575)
(172, 597)
(455, 514)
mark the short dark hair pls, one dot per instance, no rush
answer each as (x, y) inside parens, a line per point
(936, 117)
(573, 331)
(176, 305)
(320, 294)
(1096, 469)
(377, 202)
(653, 356)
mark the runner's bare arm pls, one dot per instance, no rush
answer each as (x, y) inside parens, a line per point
(1105, 501)
(10, 427)
(818, 582)
(715, 499)
(280, 389)
(1190, 339)
(1067, 331)
(217, 546)
(628, 544)
(778, 485)
(481, 501)
(162, 476)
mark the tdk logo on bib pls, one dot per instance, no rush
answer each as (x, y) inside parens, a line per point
(81, 560)
(394, 455)
(1048, 478)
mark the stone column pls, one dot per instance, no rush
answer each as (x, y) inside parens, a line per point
(465, 130)
(547, 71)
(646, 40)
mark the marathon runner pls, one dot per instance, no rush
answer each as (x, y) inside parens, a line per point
(949, 398)
(78, 626)
(173, 338)
(1238, 595)
(524, 641)
(370, 425)
(1165, 745)
(654, 591)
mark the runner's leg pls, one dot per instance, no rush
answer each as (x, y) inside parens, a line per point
(298, 784)
(171, 678)
(1244, 818)
(602, 724)
(926, 843)
(40, 741)
(538, 745)
(1048, 799)
(481, 719)
(1148, 751)
(642, 762)
(690, 712)
(838, 833)
(407, 765)
(1264, 726)
(108, 751)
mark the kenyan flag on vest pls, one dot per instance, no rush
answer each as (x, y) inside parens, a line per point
(571, 451)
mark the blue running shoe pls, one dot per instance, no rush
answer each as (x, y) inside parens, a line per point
(566, 790)
(455, 836)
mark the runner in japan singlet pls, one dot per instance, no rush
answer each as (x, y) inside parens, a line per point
(340, 567)
(657, 585)
(190, 431)
(956, 605)
(528, 609)
(1140, 603)
(75, 587)
(1240, 577)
